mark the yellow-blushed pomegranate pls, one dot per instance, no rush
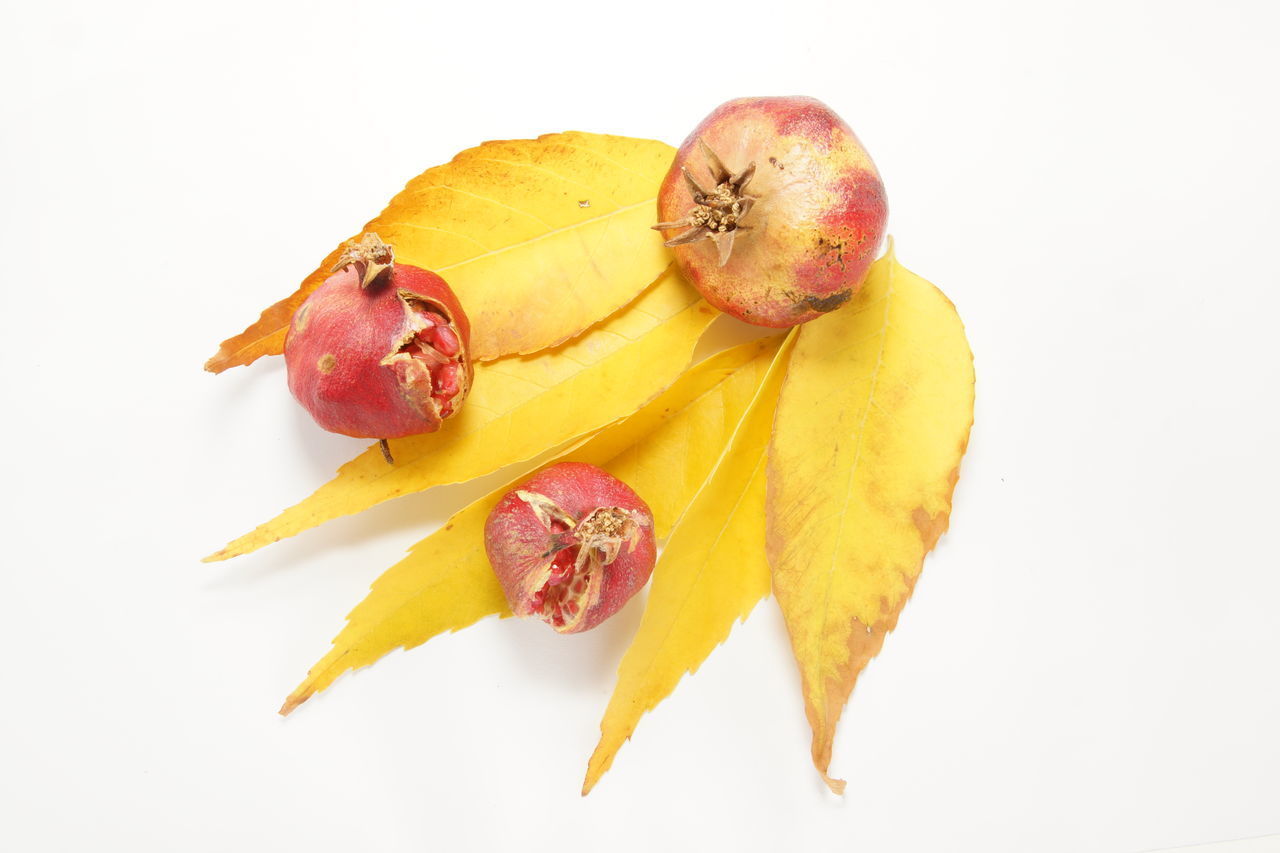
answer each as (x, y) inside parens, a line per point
(777, 208)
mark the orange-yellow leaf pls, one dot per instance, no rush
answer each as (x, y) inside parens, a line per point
(445, 583)
(540, 238)
(711, 574)
(519, 407)
(872, 422)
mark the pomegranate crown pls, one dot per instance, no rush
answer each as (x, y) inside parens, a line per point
(369, 255)
(717, 214)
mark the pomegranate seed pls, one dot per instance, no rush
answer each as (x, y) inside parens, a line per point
(447, 381)
(444, 340)
(433, 319)
(573, 608)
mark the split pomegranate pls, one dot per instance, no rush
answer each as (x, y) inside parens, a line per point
(380, 350)
(779, 209)
(570, 546)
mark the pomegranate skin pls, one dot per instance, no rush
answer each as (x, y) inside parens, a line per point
(517, 541)
(342, 345)
(816, 220)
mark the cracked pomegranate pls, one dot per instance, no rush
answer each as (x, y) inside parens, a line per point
(570, 546)
(380, 349)
(779, 210)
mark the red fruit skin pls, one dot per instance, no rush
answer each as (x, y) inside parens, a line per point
(516, 540)
(339, 338)
(816, 227)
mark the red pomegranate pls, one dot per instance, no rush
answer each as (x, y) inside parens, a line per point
(380, 349)
(570, 546)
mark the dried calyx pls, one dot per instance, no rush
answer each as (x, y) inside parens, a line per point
(578, 550)
(369, 255)
(716, 215)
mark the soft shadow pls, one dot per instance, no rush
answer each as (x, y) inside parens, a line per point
(577, 661)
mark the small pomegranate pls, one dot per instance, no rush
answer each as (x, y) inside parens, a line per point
(380, 350)
(570, 546)
(780, 210)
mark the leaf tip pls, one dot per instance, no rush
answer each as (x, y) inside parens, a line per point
(291, 704)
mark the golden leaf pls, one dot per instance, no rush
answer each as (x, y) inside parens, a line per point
(446, 584)
(539, 238)
(518, 408)
(872, 422)
(711, 574)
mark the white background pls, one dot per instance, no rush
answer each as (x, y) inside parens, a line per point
(1090, 659)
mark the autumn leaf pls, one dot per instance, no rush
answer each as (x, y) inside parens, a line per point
(518, 407)
(444, 584)
(539, 238)
(711, 573)
(664, 451)
(872, 422)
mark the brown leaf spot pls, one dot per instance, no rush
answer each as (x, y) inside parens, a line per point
(864, 643)
(932, 527)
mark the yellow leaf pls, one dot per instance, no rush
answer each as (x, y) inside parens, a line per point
(518, 408)
(711, 573)
(665, 451)
(872, 422)
(445, 583)
(539, 238)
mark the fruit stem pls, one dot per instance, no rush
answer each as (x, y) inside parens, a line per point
(370, 256)
(386, 451)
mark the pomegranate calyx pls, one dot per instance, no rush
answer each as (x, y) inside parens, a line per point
(604, 531)
(369, 255)
(716, 215)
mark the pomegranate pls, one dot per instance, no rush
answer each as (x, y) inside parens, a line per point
(570, 546)
(380, 349)
(779, 207)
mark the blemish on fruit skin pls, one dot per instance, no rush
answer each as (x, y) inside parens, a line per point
(300, 318)
(824, 304)
(327, 363)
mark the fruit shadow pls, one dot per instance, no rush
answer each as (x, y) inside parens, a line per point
(583, 661)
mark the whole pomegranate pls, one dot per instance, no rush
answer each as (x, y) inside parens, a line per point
(570, 546)
(779, 207)
(380, 349)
